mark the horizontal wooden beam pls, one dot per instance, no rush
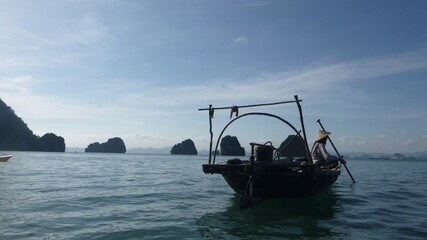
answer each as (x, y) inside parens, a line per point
(248, 106)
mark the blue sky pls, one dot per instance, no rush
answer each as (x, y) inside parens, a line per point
(91, 70)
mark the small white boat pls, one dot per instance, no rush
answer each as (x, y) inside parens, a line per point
(4, 158)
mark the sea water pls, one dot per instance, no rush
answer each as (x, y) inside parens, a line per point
(135, 196)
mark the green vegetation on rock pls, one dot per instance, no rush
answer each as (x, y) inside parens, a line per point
(16, 136)
(292, 147)
(185, 147)
(230, 146)
(113, 145)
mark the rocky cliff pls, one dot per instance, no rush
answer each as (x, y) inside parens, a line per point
(230, 146)
(293, 146)
(185, 147)
(15, 135)
(113, 145)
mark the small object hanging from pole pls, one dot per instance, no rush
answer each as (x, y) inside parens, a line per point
(234, 109)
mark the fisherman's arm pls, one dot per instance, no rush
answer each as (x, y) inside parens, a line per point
(326, 155)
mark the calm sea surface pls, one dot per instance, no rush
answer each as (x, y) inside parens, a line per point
(130, 196)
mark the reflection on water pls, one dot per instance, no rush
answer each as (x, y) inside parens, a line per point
(275, 219)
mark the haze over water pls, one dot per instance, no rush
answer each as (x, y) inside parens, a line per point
(132, 196)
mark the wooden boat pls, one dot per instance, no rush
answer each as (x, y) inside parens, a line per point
(4, 158)
(265, 176)
(275, 180)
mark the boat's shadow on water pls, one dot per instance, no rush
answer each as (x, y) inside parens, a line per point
(304, 218)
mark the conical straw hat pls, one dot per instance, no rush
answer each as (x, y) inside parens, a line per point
(321, 134)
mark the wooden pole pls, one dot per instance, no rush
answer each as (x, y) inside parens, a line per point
(348, 171)
(310, 159)
(246, 199)
(252, 177)
(248, 106)
(211, 113)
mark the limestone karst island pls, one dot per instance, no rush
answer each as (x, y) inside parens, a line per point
(15, 135)
(113, 145)
(185, 147)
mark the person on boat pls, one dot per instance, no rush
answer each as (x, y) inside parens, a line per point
(319, 152)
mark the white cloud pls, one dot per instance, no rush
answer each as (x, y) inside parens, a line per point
(408, 142)
(241, 39)
(137, 140)
(87, 30)
(27, 49)
(134, 100)
(259, 3)
(147, 137)
(400, 132)
(7, 63)
(343, 140)
(320, 81)
(19, 38)
(19, 79)
(17, 85)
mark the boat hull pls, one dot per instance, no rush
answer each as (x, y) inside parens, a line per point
(274, 180)
(5, 158)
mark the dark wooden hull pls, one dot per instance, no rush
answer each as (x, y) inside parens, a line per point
(276, 180)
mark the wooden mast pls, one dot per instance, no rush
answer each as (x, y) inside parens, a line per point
(310, 159)
(211, 114)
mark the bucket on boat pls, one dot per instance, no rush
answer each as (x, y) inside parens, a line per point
(264, 153)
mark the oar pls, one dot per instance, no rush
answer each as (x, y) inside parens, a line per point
(337, 151)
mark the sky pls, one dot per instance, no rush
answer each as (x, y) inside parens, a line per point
(140, 70)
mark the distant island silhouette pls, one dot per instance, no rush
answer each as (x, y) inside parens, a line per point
(15, 135)
(292, 147)
(113, 145)
(185, 147)
(230, 146)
